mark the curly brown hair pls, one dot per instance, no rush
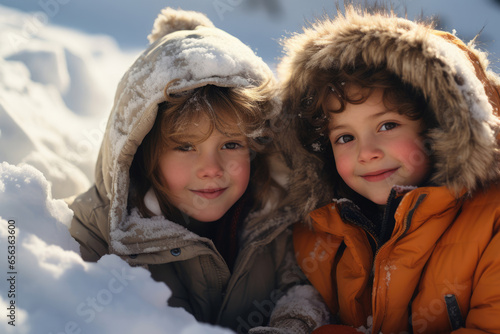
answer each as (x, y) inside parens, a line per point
(313, 118)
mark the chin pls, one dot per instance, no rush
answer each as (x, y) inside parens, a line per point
(379, 200)
(208, 218)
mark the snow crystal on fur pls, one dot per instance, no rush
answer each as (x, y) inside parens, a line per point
(170, 20)
(400, 189)
(124, 241)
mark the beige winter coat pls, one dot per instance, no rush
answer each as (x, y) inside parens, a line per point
(190, 265)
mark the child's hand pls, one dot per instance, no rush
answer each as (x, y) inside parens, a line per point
(335, 329)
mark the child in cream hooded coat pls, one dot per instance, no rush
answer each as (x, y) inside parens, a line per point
(185, 46)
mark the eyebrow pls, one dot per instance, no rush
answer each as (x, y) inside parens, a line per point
(379, 114)
(338, 127)
(197, 137)
(383, 112)
(235, 134)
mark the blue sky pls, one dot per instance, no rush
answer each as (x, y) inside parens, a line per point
(258, 23)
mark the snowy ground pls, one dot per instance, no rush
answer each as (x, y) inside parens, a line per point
(56, 90)
(47, 288)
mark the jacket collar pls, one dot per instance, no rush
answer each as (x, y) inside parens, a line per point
(420, 203)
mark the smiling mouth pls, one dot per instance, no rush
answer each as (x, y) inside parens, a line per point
(379, 175)
(209, 193)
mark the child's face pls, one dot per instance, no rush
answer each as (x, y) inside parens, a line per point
(376, 148)
(206, 178)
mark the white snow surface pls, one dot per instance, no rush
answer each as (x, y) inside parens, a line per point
(56, 90)
(50, 289)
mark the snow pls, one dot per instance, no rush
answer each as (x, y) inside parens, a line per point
(388, 272)
(50, 289)
(156, 227)
(56, 90)
(316, 147)
(472, 88)
(368, 329)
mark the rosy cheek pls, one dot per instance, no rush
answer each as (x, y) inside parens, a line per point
(239, 172)
(344, 166)
(412, 154)
(237, 168)
(174, 175)
(415, 160)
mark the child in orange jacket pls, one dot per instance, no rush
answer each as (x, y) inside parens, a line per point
(397, 123)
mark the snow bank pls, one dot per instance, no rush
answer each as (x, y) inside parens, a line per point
(56, 91)
(48, 288)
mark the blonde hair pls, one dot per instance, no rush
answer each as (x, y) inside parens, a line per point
(249, 108)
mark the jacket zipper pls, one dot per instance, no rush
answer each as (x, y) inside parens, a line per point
(376, 272)
(406, 223)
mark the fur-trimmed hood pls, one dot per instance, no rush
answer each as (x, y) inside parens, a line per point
(453, 76)
(185, 46)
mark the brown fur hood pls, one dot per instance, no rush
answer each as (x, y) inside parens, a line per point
(453, 76)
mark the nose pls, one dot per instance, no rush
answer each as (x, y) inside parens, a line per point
(369, 150)
(210, 166)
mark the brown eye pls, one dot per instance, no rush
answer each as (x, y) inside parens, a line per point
(184, 148)
(344, 139)
(388, 126)
(231, 146)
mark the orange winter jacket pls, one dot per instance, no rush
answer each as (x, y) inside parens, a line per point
(443, 253)
(440, 268)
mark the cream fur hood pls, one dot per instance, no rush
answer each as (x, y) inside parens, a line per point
(185, 46)
(461, 89)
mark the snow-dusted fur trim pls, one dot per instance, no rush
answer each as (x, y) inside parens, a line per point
(188, 59)
(461, 89)
(170, 20)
